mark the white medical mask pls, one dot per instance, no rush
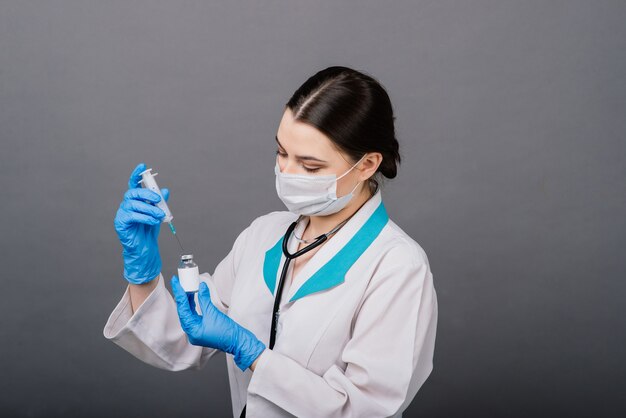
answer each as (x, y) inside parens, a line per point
(311, 195)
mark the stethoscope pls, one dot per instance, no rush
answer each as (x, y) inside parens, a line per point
(283, 274)
(288, 257)
(279, 292)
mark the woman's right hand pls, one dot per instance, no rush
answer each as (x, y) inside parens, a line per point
(137, 224)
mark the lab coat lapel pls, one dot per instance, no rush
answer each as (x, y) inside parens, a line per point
(275, 259)
(328, 266)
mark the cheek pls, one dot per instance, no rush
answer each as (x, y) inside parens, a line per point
(346, 184)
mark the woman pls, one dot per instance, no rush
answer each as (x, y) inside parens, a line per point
(325, 310)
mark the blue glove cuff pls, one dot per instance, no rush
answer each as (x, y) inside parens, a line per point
(138, 270)
(248, 349)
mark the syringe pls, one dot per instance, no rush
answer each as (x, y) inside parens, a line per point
(171, 224)
(147, 181)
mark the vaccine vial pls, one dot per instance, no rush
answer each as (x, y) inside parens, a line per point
(188, 274)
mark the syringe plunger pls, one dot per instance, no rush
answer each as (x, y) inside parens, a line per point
(147, 181)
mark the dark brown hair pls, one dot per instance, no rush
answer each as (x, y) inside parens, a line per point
(354, 111)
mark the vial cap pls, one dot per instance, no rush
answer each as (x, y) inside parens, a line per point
(187, 257)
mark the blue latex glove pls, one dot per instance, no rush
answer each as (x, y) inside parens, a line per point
(137, 224)
(213, 328)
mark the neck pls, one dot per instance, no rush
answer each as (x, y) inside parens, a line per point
(319, 225)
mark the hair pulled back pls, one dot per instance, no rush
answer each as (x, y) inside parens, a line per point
(354, 111)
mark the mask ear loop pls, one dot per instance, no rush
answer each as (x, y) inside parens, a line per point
(357, 163)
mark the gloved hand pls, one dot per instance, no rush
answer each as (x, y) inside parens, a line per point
(213, 328)
(137, 224)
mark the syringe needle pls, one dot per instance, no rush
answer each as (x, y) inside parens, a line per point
(171, 224)
(179, 244)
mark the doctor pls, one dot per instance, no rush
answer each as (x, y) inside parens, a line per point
(325, 310)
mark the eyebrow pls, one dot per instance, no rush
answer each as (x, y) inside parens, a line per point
(302, 157)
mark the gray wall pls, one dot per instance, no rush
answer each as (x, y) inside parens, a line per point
(511, 120)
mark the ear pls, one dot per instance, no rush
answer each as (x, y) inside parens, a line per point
(369, 165)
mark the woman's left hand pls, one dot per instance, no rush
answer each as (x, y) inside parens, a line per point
(213, 328)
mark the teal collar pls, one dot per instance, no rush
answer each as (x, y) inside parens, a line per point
(333, 272)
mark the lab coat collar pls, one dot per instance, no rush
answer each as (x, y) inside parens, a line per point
(328, 266)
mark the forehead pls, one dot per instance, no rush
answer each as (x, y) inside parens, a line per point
(299, 137)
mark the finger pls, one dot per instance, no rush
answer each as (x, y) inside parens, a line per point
(126, 218)
(133, 181)
(186, 316)
(143, 207)
(165, 193)
(142, 194)
(192, 302)
(204, 298)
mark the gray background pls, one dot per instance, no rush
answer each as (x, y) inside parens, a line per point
(510, 116)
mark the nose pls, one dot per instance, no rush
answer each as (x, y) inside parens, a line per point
(285, 168)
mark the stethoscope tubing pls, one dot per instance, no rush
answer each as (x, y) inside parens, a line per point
(279, 292)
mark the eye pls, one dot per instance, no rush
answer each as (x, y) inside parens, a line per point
(310, 170)
(282, 154)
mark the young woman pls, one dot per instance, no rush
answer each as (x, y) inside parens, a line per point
(325, 310)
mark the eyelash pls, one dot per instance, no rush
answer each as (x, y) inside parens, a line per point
(309, 170)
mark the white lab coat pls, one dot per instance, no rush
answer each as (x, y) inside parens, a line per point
(357, 326)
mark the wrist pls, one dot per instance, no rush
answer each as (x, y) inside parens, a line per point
(254, 363)
(248, 350)
(138, 270)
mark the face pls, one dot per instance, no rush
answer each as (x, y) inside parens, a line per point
(302, 149)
